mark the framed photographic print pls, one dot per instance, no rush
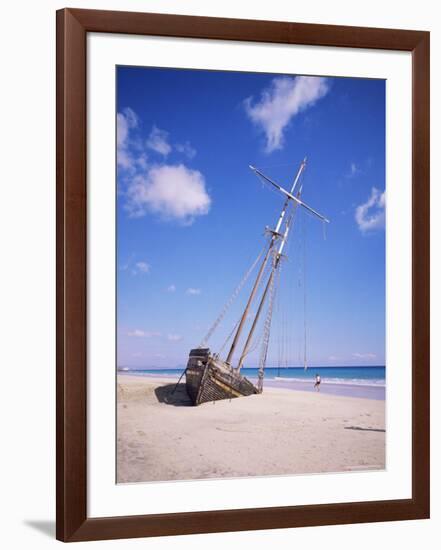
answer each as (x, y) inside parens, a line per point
(242, 274)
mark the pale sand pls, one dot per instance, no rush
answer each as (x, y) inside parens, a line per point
(279, 432)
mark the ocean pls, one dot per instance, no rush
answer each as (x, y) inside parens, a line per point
(364, 382)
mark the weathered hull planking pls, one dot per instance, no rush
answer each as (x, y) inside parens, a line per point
(210, 379)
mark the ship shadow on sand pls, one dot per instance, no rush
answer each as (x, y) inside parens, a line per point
(173, 394)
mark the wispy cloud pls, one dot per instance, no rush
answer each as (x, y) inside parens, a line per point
(174, 337)
(354, 170)
(175, 192)
(281, 102)
(125, 266)
(138, 333)
(364, 355)
(158, 141)
(142, 267)
(135, 267)
(193, 291)
(171, 288)
(371, 214)
(186, 149)
(126, 121)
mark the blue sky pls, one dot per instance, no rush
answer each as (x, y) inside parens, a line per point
(191, 214)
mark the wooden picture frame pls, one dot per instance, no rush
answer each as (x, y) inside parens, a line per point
(73, 524)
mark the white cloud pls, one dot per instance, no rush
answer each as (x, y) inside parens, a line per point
(142, 267)
(371, 214)
(283, 100)
(143, 333)
(141, 161)
(193, 291)
(158, 141)
(186, 149)
(135, 268)
(364, 355)
(125, 122)
(171, 288)
(173, 191)
(354, 169)
(174, 337)
(138, 333)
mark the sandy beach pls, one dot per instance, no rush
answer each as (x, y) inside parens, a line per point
(161, 437)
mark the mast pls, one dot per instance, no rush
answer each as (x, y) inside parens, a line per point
(274, 237)
(278, 255)
(296, 203)
(305, 364)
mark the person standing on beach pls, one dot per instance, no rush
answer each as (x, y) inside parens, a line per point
(317, 382)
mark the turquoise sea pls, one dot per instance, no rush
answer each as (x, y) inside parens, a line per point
(366, 382)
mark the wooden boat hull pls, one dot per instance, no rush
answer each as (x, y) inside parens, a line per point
(210, 379)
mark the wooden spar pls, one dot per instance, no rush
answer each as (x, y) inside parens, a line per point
(262, 267)
(305, 364)
(256, 318)
(250, 300)
(289, 194)
(268, 285)
(265, 292)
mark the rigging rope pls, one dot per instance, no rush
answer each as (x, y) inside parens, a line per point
(278, 313)
(305, 364)
(229, 302)
(267, 325)
(255, 342)
(228, 338)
